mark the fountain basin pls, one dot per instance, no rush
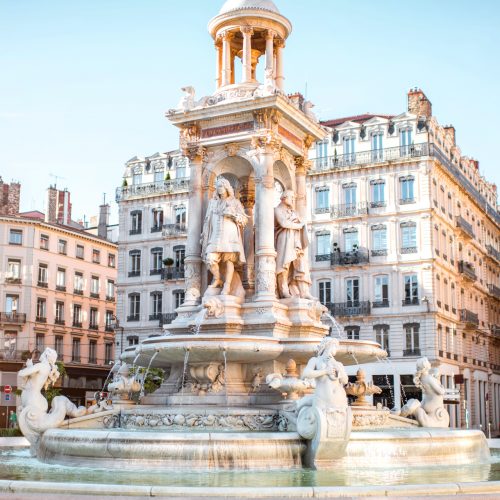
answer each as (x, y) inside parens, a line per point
(172, 349)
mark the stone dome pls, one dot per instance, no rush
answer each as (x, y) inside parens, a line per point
(231, 5)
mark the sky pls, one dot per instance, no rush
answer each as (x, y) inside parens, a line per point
(84, 84)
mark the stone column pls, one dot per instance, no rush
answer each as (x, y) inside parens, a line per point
(280, 78)
(218, 76)
(270, 76)
(301, 167)
(226, 58)
(193, 260)
(265, 253)
(247, 54)
(247, 198)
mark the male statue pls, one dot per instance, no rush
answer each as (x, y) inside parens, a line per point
(222, 240)
(290, 238)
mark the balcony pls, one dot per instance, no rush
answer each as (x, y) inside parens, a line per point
(378, 304)
(494, 290)
(94, 295)
(407, 201)
(93, 326)
(76, 359)
(465, 226)
(13, 355)
(174, 230)
(379, 253)
(410, 301)
(467, 270)
(12, 279)
(343, 162)
(155, 272)
(13, 318)
(133, 318)
(350, 309)
(43, 284)
(324, 257)
(60, 288)
(109, 329)
(349, 210)
(412, 352)
(493, 252)
(167, 318)
(134, 274)
(378, 204)
(172, 274)
(156, 229)
(356, 257)
(135, 232)
(408, 250)
(321, 210)
(151, 189)
(469, 318)
(59, 321)
(155, 317)
(77, 292)
(109, 298)
(77, 324)
(41, 319)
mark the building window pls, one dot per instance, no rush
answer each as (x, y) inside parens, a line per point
(59, 313)
(323, 245)
(405, 141)
(75, 350)
(133, 340)
(157, 216)
(409, 237)
(325, 292)
(10, 344)
(40, 342)
(180, 214)
(94, 287)
(44, 242)
(109, 321)
(96, 256)
(412, 339)
(59, 346)
(180, 168)
(156, 260)
(350, 195)
(179, 256)
(378, 194)
(381, 294)
(108, 353)
(41, 310)
(134, 307)
(93, 352)
(137, 176)
(136, 222)
(61, 279)
(411, 290)
(135, 263)
(110, 290)
(322, 200)
(386, 397)
(15, 237)
(78, 283)
(93, 319)
(156, 305)
(159, 175)
(352, 332)
(407, 185)
(62, 247)
(178, 298)
(351, 240)
(349, 149)
(379, 240)
(382, 336)
(352, 292)
(377, 146)
(322, 153)
(13, 270)
(43, 275)
(80, 251)
(111, 260)
(11, 303)
(77, 315)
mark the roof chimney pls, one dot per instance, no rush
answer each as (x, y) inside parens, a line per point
(102, 228)
(418, 104)
(450, 130)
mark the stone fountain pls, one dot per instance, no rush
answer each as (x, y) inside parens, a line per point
(253, 379)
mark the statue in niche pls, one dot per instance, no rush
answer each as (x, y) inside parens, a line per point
(290, 239)
(430, 412)
(34, 419)
(222, 239)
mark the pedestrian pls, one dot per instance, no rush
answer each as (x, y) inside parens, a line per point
(13, 419)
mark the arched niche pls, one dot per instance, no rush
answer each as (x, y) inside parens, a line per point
(235, 169)
(283, 175)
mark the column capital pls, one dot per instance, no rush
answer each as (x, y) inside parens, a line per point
(302, 165)
(227, 36)
(270, 35)
(247, 30)
(266, 144)
(196, 154)
(280, 43)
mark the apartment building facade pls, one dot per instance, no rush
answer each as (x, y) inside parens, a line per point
(404, 251)
(57, 290)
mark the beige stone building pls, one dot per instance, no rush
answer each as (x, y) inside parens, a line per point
(56, 290)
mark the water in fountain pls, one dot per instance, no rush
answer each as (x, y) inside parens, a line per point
(146, 373)
(107, 380)
(184, 371)
(198, 320)
(387, 381)
(224, 354)
(335, 327)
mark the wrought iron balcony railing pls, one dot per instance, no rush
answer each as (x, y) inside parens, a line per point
(467, 270)
(167, 318)
(173, 273)
(379, 252)
(381, 303)
(408, 250)
(152, 188)
(13, 318)
(60, 288)
(350, 309)
(13, 280)
(94, 295)
(134, 274)
(133, 317)
(14, 355)
(154, 317)
(494, 290)
(411, 301)
(43, 284)
(356, 257)
(493, 252)
(41, 319)
(349, 210)
(469, 318)
(77, 324)
(59, 321)
(412, 352)
(465, 226)
(173, 230)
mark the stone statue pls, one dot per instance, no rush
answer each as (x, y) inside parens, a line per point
(222, 240)
(290, 238)
(188, 101)
(289, 383)
(324, 418)
(123, 383)
(34, 419)
(431, 411)
(361, 388)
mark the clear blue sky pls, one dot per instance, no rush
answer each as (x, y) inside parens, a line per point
(84, 84)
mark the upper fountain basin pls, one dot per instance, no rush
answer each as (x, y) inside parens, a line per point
(172, 349)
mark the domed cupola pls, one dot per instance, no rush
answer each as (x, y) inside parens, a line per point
(249, 29)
